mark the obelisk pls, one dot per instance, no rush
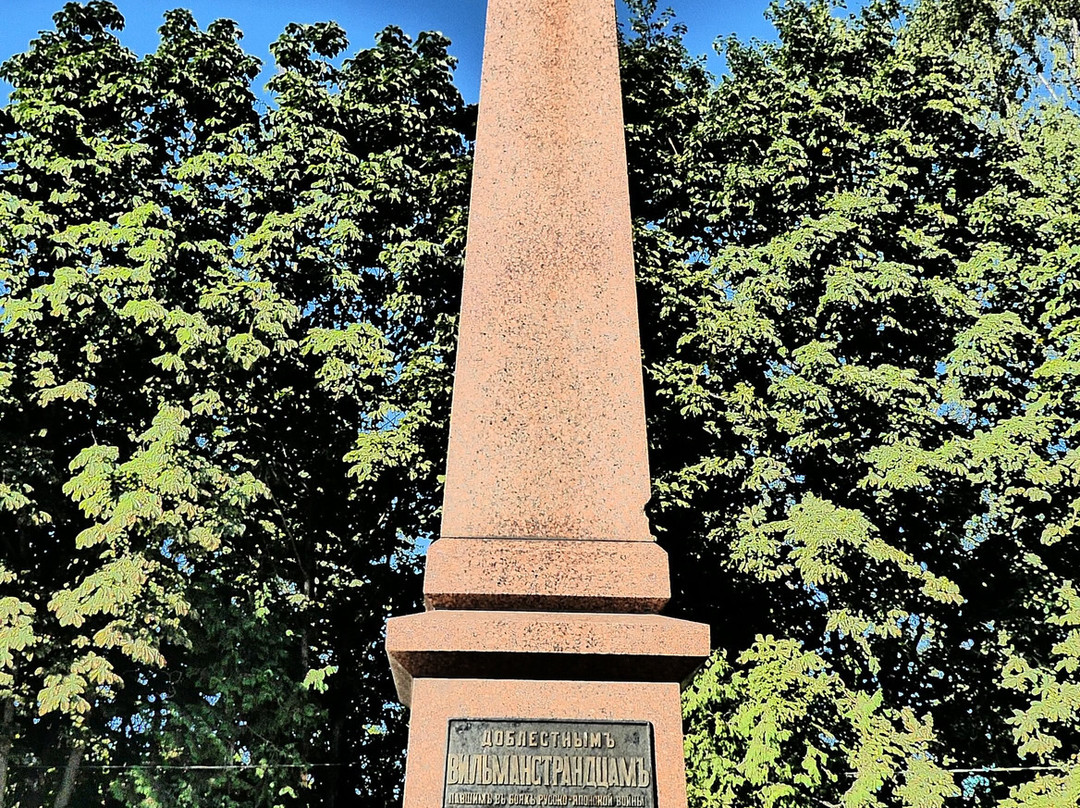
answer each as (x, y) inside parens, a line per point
(542, 590)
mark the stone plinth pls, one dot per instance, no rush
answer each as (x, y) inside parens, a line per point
(437, 701)
(543, 645)
(572, 574)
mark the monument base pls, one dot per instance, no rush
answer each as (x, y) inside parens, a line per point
(437, 702)
(542, 645)
(580, 575)
(544, 708)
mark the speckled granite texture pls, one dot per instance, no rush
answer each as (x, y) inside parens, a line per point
(547, 434)
(543, 645)
(572, 574)
(436, 701)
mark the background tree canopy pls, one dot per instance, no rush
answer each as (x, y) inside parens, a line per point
(225, 369)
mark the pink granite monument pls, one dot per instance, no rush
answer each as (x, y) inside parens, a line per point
(541, 673)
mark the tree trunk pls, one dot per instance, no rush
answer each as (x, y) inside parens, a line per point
(336, 777)
(5, 746)
(305, 640)
(71, 773)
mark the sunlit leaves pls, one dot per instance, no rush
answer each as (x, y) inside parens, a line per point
(864, 400)
(780, 724)
(212, 310)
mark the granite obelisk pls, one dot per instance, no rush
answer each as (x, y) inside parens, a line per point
(542, 590)
(548, 407)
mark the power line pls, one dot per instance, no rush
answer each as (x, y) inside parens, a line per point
(185, 767)
(992, 769)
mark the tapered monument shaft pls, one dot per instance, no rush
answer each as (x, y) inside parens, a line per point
(547, 433)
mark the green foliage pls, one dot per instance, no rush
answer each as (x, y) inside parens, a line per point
(215, 317)
(863, 398)
(225, 356)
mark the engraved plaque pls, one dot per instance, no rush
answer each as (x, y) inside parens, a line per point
(589, 764)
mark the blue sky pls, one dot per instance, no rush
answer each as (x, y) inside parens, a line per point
(461, 20)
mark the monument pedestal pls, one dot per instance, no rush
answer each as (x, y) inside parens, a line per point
(436, 702)
(555, 574)
(518, 673)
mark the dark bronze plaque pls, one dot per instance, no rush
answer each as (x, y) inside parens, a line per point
(587, 764)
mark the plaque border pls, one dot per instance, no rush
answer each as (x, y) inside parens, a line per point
(649, 724)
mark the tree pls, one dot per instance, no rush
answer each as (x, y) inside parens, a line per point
(861, 252)
(225, 380)
(227, 337)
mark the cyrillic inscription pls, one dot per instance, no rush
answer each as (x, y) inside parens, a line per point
(590, 764)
